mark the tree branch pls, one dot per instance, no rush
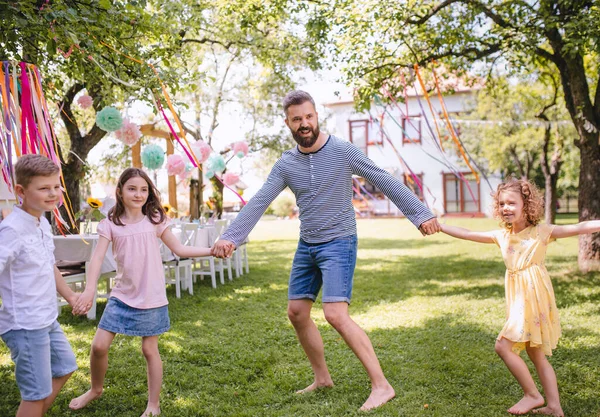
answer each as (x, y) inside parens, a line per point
(496, 18)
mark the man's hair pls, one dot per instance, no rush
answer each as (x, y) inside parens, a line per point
(29, 166)
(295, 98)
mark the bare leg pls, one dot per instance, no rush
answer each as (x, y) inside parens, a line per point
(98, 366)
(311, 341)
(31, 408)
(57, 384)
(381, 391)
(548, 380)
(155, 374)
(518, 368)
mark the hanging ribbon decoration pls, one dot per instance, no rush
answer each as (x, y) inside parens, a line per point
(451, 127)
(26, 125)
(182, 135)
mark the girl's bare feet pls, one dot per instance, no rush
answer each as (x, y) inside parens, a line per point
(83, 400)
(527, 403)
(151, 411)
(549, 411)
(378, 397)
(316, 385)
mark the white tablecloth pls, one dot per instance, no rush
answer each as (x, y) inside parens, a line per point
(73, 248)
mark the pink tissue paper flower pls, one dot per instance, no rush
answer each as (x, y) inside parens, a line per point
(201, 150)
(85, 101)
(129, 133)
(175, 165)
(230, 178)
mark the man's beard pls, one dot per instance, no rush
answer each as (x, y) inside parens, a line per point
(304, 141)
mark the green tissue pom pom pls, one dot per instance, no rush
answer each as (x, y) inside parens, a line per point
(216, 163)
(153, 157)
(109, 119)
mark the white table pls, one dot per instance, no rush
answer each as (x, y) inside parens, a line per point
(79, 248)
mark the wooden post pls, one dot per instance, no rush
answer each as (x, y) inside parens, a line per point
(136, 158)
(172, 181)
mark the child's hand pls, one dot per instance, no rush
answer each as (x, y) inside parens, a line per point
(72, 299)
(84, 302)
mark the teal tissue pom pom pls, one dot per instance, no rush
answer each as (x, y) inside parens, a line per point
(109, 119)
(215, 163)
(153, 157)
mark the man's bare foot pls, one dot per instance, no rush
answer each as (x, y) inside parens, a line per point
(316, 385)
(527, 403)
(151, 411)
(83, 400)
(378, 397)
(549, 411)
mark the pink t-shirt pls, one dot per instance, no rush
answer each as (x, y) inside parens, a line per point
(140, 280)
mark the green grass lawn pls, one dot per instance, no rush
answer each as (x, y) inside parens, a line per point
(431, 306)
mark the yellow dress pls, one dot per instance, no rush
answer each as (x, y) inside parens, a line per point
(531, 313)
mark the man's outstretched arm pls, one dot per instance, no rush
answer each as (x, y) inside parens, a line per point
(245, 221)
(395, 190)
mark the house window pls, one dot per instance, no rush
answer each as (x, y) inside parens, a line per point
(461, 195)
(412, 185)
(411, 129)
(359, 134)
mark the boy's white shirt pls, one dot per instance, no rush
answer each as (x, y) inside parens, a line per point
(27, 285)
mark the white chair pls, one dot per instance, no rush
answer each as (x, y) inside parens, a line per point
(240, 254)
(174, 265)
(73, 254)
(205, 265)
(219, 228)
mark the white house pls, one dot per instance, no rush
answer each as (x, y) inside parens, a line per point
(448, 185)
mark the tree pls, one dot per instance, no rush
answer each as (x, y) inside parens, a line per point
(556, 34)
(520, 129)
(71, 43)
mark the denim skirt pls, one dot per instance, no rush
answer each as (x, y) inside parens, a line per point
(120, 318)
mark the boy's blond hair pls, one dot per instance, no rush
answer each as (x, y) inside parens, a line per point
(29, 166)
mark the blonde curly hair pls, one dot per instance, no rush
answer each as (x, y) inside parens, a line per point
(533, 201)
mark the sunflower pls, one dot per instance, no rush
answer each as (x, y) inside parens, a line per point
(94, 202)
(167, 208)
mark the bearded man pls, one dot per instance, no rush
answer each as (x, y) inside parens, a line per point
(319, 172)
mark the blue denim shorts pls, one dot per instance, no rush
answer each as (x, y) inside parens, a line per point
(120, 318)
(329, 265)
(39, 355)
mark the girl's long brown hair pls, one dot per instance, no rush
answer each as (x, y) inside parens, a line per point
(533, 201)
(152, 208)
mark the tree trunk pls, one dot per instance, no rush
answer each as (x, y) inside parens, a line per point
(589, 200)
(73, 169)
(196, 197)
(218, 196)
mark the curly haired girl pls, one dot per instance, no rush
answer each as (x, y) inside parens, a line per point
(532, 321)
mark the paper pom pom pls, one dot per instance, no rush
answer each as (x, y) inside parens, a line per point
(153, 157)
(229, 178)
(240, 149)
(85, 101)
(215, 163)
(209, 174)
(129, 133)
(201, 150)
(187, 172)
(175, 165)
(109, 119)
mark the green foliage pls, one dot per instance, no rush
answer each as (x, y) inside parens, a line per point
(507, 134)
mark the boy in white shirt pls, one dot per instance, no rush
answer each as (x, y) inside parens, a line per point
(43, 358)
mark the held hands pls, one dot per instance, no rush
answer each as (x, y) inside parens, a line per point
(83, 303)
(430, 227)
(223, 248)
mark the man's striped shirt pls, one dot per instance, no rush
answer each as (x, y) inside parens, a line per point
(322, 184)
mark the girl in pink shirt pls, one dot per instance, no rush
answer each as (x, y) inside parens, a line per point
(138, 302)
